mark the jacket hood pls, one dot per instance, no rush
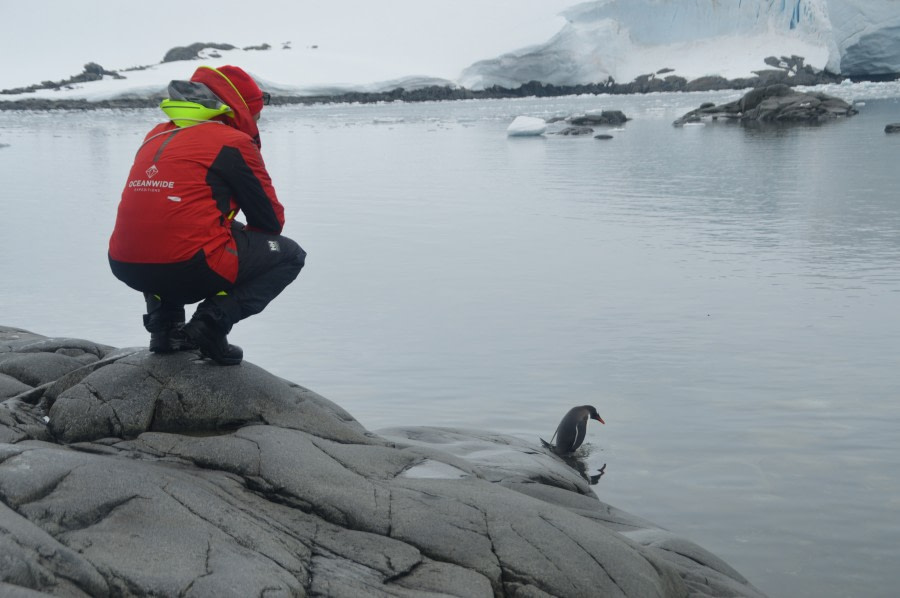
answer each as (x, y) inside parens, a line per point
(227, 91)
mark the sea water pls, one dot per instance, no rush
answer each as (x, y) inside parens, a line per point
(726, 297)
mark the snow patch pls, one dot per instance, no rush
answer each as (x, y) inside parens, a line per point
(431, 469)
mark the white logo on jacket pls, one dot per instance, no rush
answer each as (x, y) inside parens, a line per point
(148, 184)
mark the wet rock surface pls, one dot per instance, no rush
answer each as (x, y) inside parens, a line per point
(128, 473)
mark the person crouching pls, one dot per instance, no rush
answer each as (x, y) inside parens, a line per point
(176, 239)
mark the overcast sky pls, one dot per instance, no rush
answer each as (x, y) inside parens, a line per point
(53, 39)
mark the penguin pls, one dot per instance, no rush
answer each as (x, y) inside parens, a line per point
(571, 430)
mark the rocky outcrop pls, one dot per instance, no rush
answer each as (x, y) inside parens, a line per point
(581, 125)
(574, 131)
(128, 473)
(604, 117)
(774, 104)
(192, 51)
(92, 72)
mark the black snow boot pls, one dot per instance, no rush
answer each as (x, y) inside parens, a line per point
(210, 338)
(171, 339)
(166, 327)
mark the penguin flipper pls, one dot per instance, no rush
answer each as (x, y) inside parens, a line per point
(555, 432)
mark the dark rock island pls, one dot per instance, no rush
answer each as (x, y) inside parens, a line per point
(124, 473)
(775, 104)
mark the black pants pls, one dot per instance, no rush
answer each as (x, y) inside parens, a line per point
(266, 265)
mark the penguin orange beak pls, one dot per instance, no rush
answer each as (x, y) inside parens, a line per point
(599, 419)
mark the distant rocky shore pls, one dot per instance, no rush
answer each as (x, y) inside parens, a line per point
(786, 70)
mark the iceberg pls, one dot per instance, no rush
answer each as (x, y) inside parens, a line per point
(526, 126)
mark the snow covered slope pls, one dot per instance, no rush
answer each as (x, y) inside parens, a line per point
(288, 71)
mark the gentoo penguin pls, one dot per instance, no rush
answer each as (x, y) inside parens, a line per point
(571, 430)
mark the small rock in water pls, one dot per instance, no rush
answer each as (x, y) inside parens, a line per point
(574, 131)
(892, 128)
(603, 136)
(600, 117)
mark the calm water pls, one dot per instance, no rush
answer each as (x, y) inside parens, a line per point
(727, 298)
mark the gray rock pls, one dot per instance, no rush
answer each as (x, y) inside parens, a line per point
(192, 51)
(606, 117)
(892, 128)
(574, 131)
(10, 386)
(35, 369)
(774, 104)
(166, 475)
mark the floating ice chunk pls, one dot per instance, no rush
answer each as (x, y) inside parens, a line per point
(526, 126)
(434, 470)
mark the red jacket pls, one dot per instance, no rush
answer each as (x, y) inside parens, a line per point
(188, 184)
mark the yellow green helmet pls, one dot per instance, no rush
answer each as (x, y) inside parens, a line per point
(190, 103)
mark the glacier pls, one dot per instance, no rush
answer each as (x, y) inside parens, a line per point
(620, 40)
(868, 36)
